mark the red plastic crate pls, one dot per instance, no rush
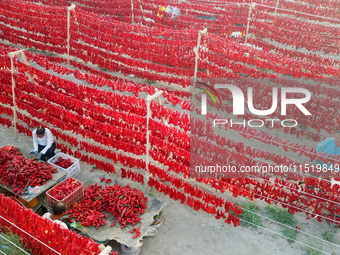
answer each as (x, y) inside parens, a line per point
(76, 196)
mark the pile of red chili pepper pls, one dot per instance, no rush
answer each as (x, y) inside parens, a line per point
(22, 172)
(64, 163)
(64, 189)
(124, 203)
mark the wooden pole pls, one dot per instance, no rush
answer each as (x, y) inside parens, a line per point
(252, 35)
(252, 5)
(197, 53)
(196, 50)
(12, 54)
(159, 99)
(26, 62)
(148, 115)
(69, 9)
(277, 5)
(106, 251)
(132, 21)
(141, 8)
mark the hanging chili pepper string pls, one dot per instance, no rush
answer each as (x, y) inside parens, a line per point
(322, 34)
(112, 130)
(329, 19)
(282, 38)
(9, 222)
(329, 127)
(138, 150)
(264, 137)
(32, 235)
(285, 21)
(298, 191)
(293, 53)
(103, 108)
(262, 57)
(138, 29)
(37, 90)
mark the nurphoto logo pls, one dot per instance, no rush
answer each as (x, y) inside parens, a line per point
(239, 102)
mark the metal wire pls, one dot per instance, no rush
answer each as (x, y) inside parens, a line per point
(14, 244)
(273, 7)
(279, 223)
(305, 193)
(29, 235)
(286, 237)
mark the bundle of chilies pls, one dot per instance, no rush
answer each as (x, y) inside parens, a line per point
(125, 203)
(64, 163)
(54, 239)
(321, 38)
(21, 172)
(64, 189)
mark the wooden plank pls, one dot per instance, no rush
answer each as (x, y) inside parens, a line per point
(14, 53)
(56, 177)
(26, 62)
(123, 236)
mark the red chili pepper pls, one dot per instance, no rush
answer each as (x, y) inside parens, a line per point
(137, 231)
(123, 202)
(64, 163)
(20, 171)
